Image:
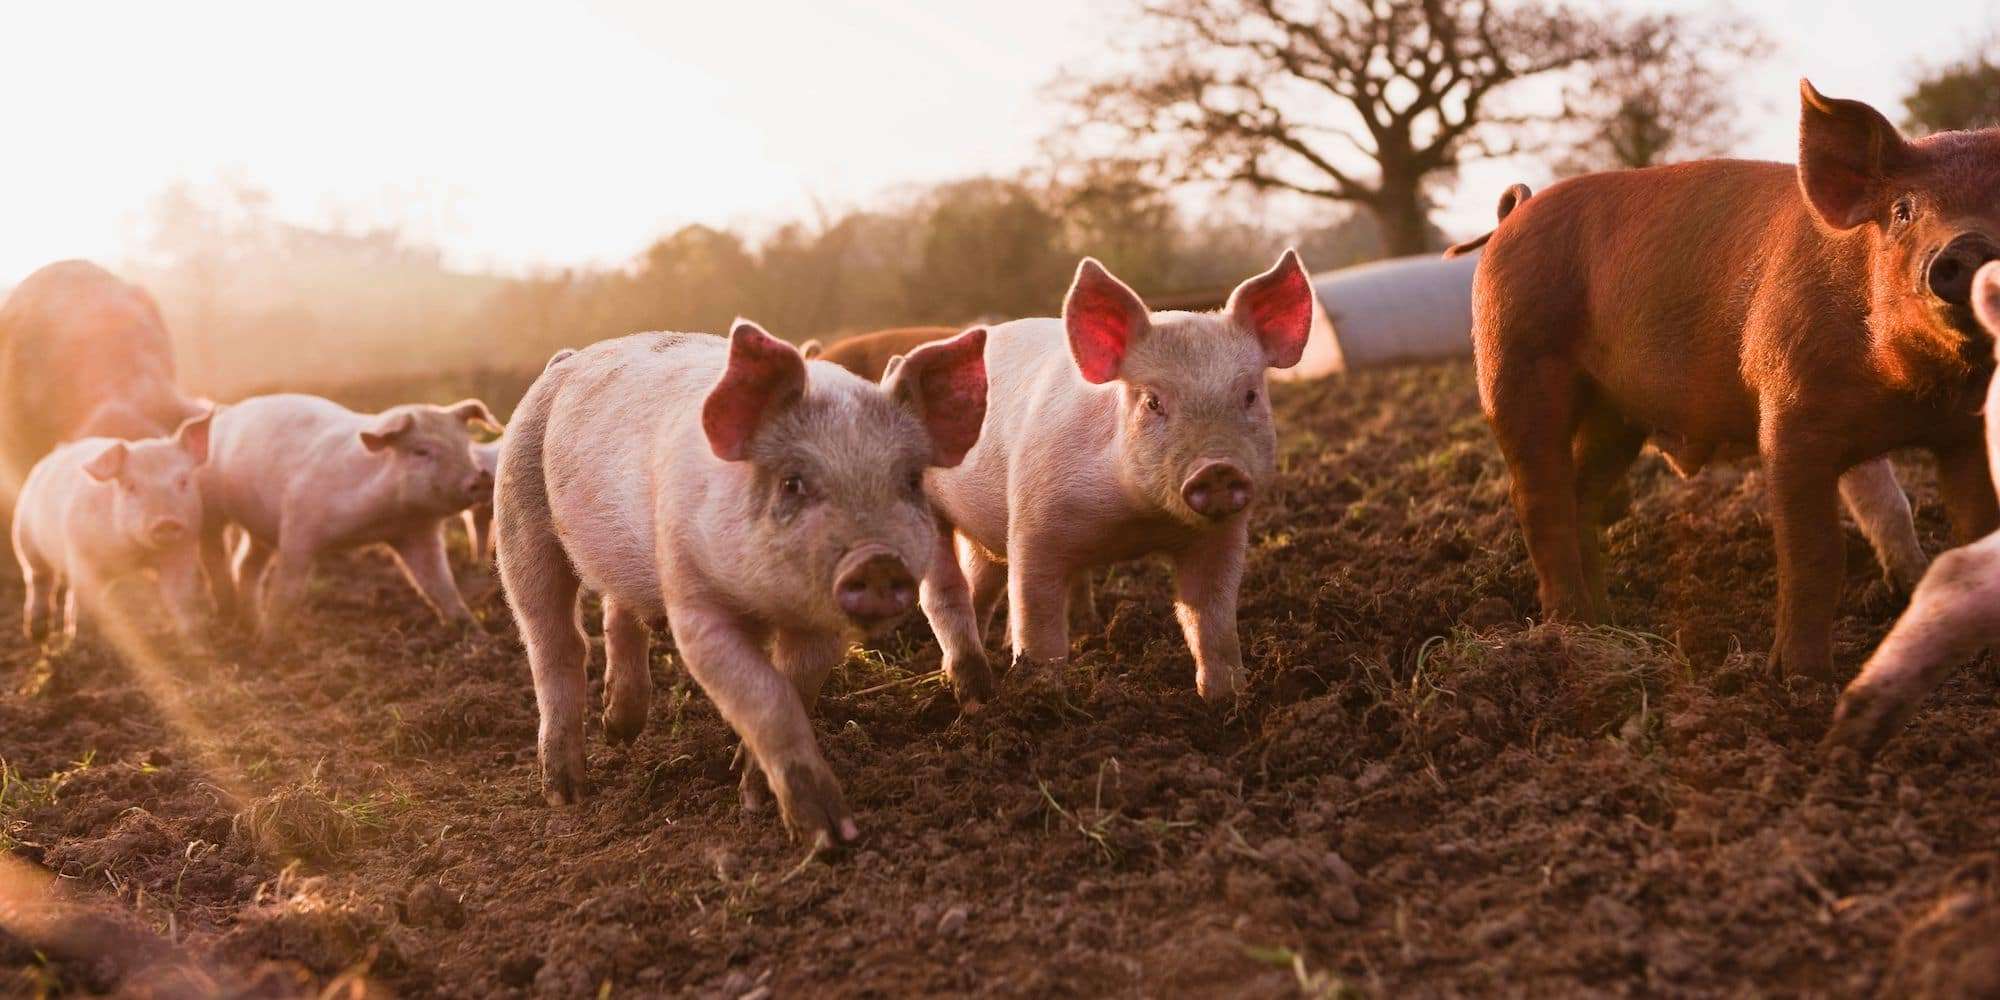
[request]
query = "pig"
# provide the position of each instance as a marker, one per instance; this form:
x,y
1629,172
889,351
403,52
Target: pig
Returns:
x,y
97,511
766,506
1955,611
60,315
479,516
1819,315
302,475
868,354
1116,432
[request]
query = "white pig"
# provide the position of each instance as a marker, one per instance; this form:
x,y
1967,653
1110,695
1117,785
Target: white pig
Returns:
x,y
1954,612
766,506
302,475
95,511
1115,432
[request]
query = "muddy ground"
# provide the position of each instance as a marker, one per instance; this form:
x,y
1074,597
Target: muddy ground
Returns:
x,y
1421,794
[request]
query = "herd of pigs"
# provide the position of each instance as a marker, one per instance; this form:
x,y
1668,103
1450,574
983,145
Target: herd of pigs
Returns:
x,y
766,504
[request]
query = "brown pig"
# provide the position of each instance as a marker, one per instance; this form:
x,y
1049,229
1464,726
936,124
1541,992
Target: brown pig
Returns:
x,y
82,354
1955,611
1113,433
868,354
1818,315
766,506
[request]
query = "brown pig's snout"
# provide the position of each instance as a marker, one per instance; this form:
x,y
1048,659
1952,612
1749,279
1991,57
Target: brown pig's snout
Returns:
x,y
873,587
1950,272
1217,490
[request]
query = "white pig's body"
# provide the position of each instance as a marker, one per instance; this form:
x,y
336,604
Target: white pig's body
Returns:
x,y
296,473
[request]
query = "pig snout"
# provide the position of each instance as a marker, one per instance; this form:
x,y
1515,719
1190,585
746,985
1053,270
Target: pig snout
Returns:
x,y
1949,275
1216,490
166,531
480,485
873,587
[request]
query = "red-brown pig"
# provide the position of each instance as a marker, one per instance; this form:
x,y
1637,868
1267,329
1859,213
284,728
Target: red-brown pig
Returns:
x,y
868,354
96,511
1955,611
302,475
1819,315
1113,433
766,506
82,354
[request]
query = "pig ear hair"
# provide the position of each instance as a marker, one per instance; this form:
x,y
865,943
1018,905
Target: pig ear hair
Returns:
x,y
192,435
386,430
1104,317
473,411
764,374
944,382
1846,151
108,463
1986,296
1277,308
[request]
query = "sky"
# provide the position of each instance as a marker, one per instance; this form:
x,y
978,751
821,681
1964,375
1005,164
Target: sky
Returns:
x,y
529,135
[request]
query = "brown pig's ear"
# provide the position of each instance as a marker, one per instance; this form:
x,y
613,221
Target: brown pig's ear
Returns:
x,y
1277,308
944,382
1986,297
107,465
386,429
473,411
1104,318
192,436
764,375
1847,151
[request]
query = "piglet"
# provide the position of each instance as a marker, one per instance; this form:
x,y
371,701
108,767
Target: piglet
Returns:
x,y
302,475
1954,612
766,506
95,511
1116,432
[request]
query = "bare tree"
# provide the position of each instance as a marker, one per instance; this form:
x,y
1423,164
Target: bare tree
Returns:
x,y
1663,94
1960,95
1366,102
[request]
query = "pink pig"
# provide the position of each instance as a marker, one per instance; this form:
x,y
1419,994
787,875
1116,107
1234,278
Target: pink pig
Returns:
x,y
766,506
302,475
1116,432
95,511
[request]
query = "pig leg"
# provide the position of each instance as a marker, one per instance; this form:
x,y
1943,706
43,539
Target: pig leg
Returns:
x,y
1805,494
285,584
542,588
181,591
421,555
1603,450
248,569
628,675
1083,604
1531,408
764,709
1954,612
1207,576
1882,511
948,602
215,566
1965,484
988,578
805,659
39,612
1038,603
480,519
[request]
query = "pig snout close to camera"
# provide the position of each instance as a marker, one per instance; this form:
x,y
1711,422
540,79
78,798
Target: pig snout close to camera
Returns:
x,y
302,476
1818,315
1114,433
767,507
96,511
1954,612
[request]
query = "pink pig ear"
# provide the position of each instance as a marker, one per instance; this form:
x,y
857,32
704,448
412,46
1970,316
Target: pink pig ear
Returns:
x,y
1277,308
192,436
764,375
1104,318
944,381
107,465
475,412
386,430
1986,296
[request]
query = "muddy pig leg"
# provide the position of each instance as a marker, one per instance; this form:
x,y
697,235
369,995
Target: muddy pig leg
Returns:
x,y
1954,612
628,675
1532,411
1207,576
1603,450
1805,509
1882,512
1038,605
805,659
947,599
988,578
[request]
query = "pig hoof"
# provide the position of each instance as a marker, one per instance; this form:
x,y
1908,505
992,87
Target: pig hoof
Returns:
x,y
562,787
1861,724
1219,689
812,803
753,791
622,725
972,683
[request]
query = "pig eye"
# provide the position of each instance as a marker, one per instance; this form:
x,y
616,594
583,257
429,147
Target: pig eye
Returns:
x,y
1905,209
1152,402
1250,398
793,486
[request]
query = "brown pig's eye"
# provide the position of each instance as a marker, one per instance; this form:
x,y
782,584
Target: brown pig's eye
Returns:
x,y
793,486
1250,398
1152,402
1905,210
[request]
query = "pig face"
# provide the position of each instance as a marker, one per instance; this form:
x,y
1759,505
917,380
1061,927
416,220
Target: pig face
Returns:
x,y
156,500
1194,422
436,469
1931,208
832,477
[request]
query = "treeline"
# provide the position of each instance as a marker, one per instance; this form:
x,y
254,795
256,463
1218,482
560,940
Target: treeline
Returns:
x,y
257,302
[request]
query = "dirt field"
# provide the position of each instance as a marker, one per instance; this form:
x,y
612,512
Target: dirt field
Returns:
x,y
1420,795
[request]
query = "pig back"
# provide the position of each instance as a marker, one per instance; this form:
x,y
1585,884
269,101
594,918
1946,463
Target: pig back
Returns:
x,y
81,351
